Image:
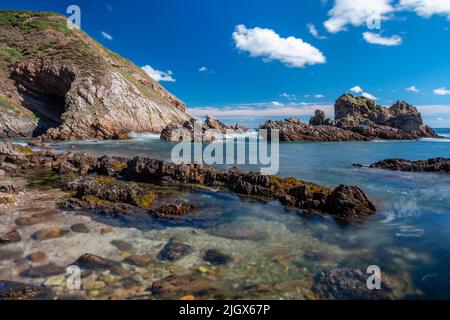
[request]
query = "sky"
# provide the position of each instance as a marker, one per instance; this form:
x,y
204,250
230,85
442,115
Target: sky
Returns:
x,y
247,59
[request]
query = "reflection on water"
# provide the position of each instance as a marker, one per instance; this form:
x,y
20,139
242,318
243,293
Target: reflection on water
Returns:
x,y
408,238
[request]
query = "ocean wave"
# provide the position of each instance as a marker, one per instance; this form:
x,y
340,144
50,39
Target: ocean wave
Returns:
x,y
435,139
144,136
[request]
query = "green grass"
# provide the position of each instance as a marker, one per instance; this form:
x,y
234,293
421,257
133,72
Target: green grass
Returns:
x,y
29,20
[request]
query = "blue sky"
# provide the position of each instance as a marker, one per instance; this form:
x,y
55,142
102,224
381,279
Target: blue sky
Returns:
x,y
248,58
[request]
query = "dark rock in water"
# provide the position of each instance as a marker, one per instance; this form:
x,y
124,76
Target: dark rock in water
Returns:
x,y
238,232
10,188
18,291
12,236
101,207
79,228
37,218
138,261
174,250
430,165
170,210
50,233
351,284
91,261
175,287
122,245
349,203
43,271
216,257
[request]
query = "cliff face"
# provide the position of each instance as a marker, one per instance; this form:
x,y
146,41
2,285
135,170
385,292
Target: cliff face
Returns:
x,y
60,84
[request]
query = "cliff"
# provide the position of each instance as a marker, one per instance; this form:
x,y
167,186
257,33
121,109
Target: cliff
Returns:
x,y
60,84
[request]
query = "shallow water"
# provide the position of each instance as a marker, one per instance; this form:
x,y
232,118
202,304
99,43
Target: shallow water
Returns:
x,y
408,237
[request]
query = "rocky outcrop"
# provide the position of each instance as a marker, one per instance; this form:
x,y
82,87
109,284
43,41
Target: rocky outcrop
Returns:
x,y
431,165
345,202
60,84
199,131
356,119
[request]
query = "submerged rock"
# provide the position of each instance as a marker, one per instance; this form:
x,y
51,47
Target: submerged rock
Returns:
x,y
170,210
175,287
216,257
350,284
10,290
174,250
79,228
12,236
50,233
43,271
93,262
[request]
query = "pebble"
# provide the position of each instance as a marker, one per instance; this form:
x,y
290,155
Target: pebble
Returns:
x,y
56,281
79,228
37,256
50,233
94,285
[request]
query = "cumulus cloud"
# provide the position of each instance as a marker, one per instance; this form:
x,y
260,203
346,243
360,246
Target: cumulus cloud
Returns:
x,y
319,96
266,43
427,8
356,13
106,35
441,91
158,75
356,89
288,96
412,89
313,30
369,96
376,38
203,69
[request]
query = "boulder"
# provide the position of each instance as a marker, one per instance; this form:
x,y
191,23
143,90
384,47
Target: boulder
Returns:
x,y
349,203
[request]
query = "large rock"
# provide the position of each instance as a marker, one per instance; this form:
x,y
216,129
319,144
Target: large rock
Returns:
x,y
320,119
61,84
349,203
19,291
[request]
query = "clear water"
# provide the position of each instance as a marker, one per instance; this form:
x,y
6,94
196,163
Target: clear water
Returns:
x,y
408,238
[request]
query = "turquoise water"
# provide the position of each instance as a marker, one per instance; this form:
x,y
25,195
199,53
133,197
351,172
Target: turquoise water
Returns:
x,y
408,237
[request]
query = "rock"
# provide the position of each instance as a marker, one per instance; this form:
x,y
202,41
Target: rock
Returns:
x,y
77,89
169,210
37,218
122,245
349,203
238,232
10,255
345,283
18,291
79,228
37,256
93,262
216,257
174,250
12,236
93,285
138,261
175,287
50,233
430,165
319,119
43,271
55,281
10,188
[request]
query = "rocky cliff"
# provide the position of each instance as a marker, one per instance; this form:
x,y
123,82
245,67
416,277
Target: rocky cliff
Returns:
x,y
356,119
60,84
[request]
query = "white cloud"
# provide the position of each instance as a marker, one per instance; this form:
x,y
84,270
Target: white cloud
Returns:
x,y
107,35
203,69
260,110
158,75
356,13
376,38
319,96
441,91
369,96
288,96
356,89
266,43
313,30
427,8
277,104
412,89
